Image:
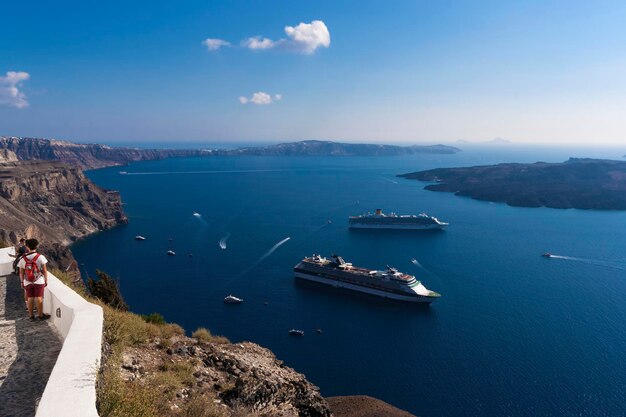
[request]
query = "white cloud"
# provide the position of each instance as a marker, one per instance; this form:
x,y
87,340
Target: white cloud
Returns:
x,y
260,98
304,38
259,43
307,37
214,44
10,93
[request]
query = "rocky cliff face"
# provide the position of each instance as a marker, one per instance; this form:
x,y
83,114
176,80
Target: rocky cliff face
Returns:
x,y
54,203
241,378
85,156
90,156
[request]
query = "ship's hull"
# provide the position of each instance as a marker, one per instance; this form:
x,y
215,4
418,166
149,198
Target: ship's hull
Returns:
x,y
415,298
398,226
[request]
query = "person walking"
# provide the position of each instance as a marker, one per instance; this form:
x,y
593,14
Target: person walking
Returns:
x,y
34,278
20,250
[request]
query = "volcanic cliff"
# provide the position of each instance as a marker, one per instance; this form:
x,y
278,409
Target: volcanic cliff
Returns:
x,y
54,203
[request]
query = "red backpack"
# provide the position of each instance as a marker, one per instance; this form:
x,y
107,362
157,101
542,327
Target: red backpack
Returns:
x,y
31,270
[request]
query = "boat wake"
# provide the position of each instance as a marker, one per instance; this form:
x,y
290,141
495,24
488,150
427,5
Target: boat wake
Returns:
x,y
390,180
264,256
269,252
597,262
223,240
198,216
237,171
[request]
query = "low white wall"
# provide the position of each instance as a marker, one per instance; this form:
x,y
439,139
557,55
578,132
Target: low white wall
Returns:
x,y
6,261
71,388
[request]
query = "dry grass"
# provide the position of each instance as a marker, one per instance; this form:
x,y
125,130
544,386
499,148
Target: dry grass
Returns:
x,y
182,372
150,396
117,398
203,407
204,335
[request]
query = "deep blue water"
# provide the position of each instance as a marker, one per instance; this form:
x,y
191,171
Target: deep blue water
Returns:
x,y
513,334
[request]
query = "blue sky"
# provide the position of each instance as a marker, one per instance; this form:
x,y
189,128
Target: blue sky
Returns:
x,y
398,71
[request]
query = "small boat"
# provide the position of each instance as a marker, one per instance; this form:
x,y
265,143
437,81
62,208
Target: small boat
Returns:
x,y
190,255
295,332
171,253
138,237
547,255
231,299
195,213
318,331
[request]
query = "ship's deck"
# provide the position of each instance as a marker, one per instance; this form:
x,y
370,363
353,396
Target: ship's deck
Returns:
x,y
358,270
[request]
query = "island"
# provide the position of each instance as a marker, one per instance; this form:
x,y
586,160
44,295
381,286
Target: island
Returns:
x,y
580,183
92,156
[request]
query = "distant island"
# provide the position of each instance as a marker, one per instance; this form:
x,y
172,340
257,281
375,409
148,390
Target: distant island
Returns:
x,y
91,156
577,183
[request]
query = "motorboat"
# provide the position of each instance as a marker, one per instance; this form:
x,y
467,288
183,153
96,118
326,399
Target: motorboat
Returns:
x,y
231,299
138,237
547,255
295,332
171,253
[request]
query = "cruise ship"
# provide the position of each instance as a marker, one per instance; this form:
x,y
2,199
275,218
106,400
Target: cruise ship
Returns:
x,y
380,220
388,283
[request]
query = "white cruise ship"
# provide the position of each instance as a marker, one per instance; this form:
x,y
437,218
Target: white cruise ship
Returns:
x,y
388,283
380,220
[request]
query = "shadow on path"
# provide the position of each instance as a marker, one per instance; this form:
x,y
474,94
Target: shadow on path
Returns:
x,y
38,346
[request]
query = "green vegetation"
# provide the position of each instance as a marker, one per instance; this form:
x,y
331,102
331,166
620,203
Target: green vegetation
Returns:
x,y
154,318
106,290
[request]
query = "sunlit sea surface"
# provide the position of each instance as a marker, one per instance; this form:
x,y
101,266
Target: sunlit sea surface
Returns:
x,y
514,334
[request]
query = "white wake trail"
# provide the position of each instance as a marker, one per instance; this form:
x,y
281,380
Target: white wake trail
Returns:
x,y
223,241
239,171
595,262
263,257
416,263
390,180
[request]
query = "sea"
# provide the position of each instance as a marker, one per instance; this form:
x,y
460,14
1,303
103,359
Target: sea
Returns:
x,y
513,334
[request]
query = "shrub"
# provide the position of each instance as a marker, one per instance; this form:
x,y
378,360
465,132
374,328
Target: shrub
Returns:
x,y
107,290
154,318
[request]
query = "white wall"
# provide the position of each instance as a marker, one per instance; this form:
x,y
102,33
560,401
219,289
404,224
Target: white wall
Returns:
x,y
71,388
6,261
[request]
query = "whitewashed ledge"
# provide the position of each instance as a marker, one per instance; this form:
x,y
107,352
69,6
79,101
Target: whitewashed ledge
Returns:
x,y
71,388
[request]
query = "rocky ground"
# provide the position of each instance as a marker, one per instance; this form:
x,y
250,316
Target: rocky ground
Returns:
x,y
28,352
363,406
241,376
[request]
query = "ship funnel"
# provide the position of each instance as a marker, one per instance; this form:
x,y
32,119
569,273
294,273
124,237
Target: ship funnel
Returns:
x,y
379,211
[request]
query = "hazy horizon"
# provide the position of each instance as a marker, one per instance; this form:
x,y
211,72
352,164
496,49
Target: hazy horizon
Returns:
x,y
405,72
